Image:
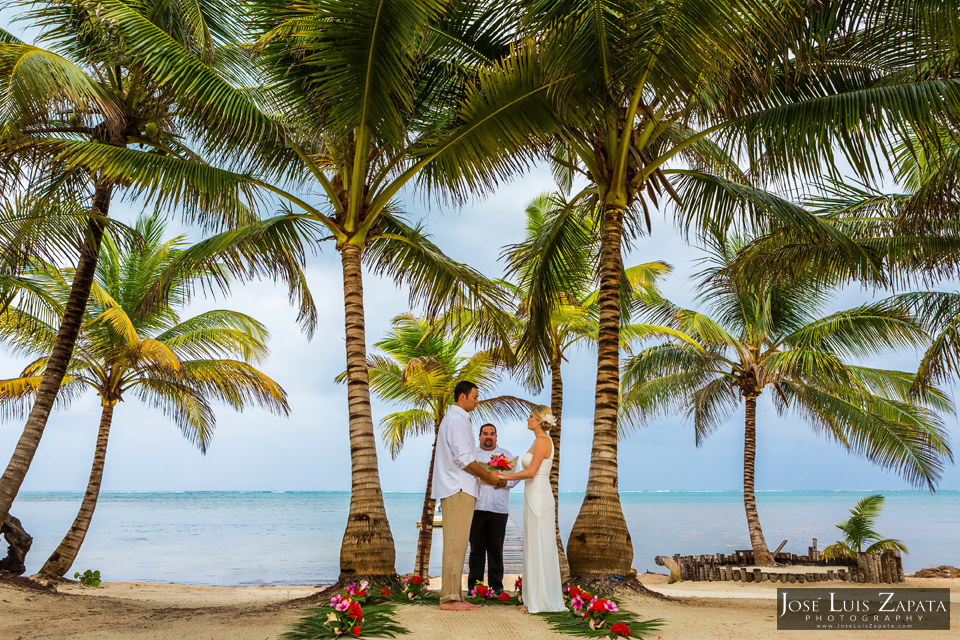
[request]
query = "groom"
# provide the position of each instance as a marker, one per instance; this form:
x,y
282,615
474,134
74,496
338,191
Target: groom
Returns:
x,y
455,484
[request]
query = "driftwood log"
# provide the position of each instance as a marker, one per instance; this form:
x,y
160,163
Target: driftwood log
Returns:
x,y
19,542
666,561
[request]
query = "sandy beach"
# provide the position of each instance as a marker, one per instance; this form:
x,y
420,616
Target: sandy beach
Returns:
x,y
149,611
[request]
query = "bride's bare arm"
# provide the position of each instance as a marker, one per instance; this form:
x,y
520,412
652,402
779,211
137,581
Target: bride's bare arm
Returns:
x,y
540,450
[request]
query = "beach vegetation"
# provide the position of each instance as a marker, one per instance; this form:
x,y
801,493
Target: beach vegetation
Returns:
x,y
859,535
128,347
770,336
89,578
422,363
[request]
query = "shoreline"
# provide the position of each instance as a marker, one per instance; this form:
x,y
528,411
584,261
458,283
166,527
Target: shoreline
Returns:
x,y
150,611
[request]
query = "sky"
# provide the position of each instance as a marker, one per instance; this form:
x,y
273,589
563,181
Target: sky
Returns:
x,y
309,450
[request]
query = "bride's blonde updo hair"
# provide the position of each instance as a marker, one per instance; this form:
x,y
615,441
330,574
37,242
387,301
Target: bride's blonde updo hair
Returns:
x,y
542,413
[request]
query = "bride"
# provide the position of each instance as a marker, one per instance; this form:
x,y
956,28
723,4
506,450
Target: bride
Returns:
x,y
542,590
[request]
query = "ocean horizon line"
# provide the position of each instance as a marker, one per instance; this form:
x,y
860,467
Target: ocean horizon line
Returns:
x,y
414,491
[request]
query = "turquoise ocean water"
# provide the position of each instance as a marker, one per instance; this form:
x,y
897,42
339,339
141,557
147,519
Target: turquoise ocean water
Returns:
x,y
278,538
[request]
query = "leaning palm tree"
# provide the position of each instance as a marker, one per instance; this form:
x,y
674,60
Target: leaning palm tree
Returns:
x,y
89,90
644,88
370,97
423,362
858,532
556,269
771,337
176,365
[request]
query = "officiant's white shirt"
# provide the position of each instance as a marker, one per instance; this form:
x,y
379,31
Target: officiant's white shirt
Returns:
x,y
494,500
456,449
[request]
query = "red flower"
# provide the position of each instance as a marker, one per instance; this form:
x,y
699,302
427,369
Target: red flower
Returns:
x,y
575,591
356,631
416,580
597,606
620,629
384,592
355,611
504,597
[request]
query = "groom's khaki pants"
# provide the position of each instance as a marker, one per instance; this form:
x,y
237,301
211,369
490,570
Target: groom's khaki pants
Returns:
x,y
457,517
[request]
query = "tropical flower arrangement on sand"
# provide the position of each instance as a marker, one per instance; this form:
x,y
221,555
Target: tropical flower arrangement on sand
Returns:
x,y
597,616
414,588
354,613
482,594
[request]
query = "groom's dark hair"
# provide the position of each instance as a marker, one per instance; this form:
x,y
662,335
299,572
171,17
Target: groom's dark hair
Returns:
x,y
463,388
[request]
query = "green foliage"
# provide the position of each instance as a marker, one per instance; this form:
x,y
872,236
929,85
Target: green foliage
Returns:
x,y
555,268
858,532
769,335
89,578
423,363
130,343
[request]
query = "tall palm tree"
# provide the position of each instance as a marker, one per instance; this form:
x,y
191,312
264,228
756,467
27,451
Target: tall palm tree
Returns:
x,y
176,365
88,90
556,266
644,87
771,337
422,364
370,96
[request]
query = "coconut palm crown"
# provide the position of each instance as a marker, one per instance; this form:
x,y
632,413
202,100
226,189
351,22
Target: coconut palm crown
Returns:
x,y
177,366
773,338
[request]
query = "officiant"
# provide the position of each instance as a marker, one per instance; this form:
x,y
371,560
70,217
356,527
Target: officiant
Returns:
x,y
489,527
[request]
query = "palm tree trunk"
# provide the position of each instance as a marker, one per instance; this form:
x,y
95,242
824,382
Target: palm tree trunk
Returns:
x,y
425,543
556,406
63,557
600,543
26,447
761,554
367,550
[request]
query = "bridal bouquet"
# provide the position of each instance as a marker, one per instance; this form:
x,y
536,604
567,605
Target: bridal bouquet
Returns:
x,y
500,463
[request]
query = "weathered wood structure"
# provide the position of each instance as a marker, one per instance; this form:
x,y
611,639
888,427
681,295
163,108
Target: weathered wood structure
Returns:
x,y
884,567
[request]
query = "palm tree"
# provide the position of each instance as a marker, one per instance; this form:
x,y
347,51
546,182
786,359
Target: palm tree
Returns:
x,y
176,365
556,269
89,91
771,336
858,531
422,365
370,96
644,86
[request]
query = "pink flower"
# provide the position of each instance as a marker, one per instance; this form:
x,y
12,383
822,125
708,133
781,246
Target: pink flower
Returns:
x,y
343,605
610,606
576,603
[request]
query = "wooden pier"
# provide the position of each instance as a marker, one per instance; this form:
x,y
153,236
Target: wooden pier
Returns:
x,y
512,552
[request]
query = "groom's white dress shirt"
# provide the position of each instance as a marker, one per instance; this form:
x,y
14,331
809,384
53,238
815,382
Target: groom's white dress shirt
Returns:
x,y
492,499
456,448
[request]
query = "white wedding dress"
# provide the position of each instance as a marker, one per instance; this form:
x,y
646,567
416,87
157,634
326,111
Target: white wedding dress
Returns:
x,y
542,590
